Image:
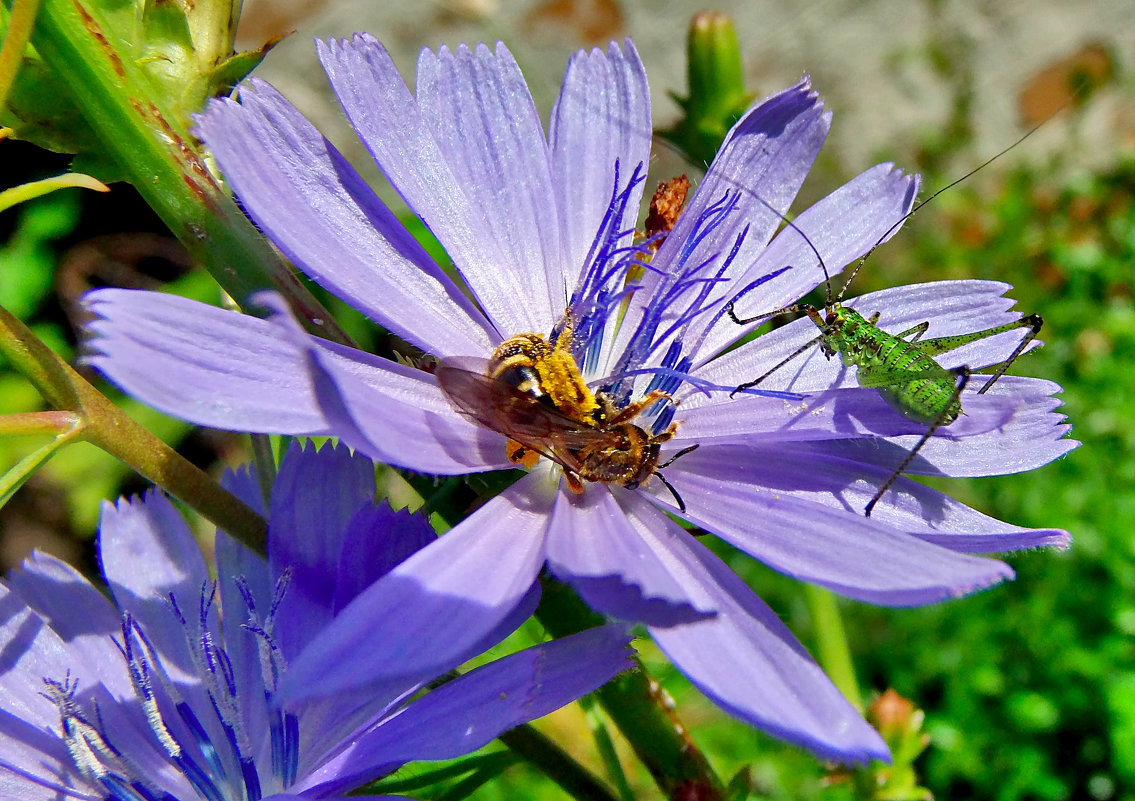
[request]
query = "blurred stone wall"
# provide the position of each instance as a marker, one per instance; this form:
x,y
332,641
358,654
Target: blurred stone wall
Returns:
x,y
893,72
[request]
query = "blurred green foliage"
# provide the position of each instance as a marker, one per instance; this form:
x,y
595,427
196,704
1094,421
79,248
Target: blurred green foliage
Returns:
x,y
1028,687
28,259
185,51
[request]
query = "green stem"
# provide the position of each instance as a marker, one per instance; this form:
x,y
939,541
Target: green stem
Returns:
x,y
162,160
831,642
638,706
20,25
265,463
606,746
64,425
30,423
556,764
108,427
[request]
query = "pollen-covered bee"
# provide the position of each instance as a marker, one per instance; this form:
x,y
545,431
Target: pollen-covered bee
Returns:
x,y
532,392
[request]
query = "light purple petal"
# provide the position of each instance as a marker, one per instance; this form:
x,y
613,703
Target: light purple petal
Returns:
x,y
841,227
34,759
764,158
760,167
388,411
235,562
494,255
602,115
423,617
377,540
32,651
157,574
1014,427
748,662
82,617
209,366
242,483
616,565
315,207
1033,437
472,710
813,472
745,497
398,415
835,414
951,307
148,555
481,113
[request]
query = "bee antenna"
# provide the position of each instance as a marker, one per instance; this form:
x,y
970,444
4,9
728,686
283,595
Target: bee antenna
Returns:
x,y
669,486
674,492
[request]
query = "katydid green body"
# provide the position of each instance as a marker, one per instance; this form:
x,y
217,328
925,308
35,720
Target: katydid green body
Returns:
x,y
904,368
901,368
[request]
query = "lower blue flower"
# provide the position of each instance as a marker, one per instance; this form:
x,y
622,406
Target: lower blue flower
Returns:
x,y
156,695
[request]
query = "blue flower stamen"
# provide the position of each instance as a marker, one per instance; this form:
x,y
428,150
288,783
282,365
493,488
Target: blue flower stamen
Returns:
x,y
119,789
677,283
291,749
92,753
605,241
722,310
251,779
276,737
283,726
608,263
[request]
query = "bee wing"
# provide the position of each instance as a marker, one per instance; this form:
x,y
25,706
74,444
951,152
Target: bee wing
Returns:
x,y
498,405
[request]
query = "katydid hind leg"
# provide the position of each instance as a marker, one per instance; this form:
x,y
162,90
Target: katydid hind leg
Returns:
x,y
1034,323
940,345
963,373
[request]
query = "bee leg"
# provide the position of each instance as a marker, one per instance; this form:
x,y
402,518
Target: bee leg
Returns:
x,y
575,484
633,410
521,454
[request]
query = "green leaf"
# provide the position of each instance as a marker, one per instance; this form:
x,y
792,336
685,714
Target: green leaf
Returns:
x,y
40,109
490,765
11,481
30,191
233,70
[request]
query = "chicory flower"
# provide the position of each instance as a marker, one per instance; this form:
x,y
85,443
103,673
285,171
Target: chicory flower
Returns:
x,y
541,230
157,695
